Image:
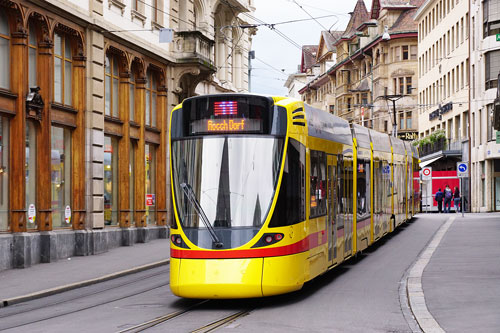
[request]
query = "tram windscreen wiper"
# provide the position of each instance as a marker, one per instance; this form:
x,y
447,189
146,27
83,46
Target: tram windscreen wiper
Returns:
x,y
188,191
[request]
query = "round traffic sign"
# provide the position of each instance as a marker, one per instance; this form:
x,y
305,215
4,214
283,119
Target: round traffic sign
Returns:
x,y
462,167
426,172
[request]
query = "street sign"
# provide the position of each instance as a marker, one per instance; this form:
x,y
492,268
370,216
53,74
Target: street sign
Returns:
x,y
462,169
427,173
498,37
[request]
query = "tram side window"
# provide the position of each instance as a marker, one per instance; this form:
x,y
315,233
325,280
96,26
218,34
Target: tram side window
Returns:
x,y
290,207
363,188
318,183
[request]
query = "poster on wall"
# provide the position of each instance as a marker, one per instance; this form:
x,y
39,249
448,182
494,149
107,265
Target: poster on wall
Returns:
x,y
31,213
150,199
67,214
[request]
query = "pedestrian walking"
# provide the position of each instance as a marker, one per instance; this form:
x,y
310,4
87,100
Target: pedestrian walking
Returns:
x,y
448,195
439,199
456,198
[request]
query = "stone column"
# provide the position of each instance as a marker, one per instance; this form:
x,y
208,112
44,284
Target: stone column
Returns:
x,y
95,130
78,142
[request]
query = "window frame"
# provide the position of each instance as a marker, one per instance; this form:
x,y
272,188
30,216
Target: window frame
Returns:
x,y
9,40
113,78
64,74
151,105
318,162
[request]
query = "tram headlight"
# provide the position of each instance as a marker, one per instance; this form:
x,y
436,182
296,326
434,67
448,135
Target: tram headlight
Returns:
x,y
176,239
268,239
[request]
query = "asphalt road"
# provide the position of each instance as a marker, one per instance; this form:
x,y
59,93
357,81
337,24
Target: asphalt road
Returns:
x,y
362,295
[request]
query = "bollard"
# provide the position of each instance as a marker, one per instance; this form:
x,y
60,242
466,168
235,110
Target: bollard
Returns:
x,y
462,206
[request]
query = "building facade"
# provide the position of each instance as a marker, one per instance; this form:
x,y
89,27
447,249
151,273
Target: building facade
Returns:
x,y
484,72
86,90
376,62
443,74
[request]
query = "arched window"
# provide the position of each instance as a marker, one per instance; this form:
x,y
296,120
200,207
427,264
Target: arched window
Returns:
x,y
63,67
4,51
111,87
32,55
151,94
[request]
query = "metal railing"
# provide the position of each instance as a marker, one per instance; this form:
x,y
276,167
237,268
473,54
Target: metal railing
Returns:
x,y
440,145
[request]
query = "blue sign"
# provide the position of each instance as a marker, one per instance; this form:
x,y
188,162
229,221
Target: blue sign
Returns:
x,y
462,169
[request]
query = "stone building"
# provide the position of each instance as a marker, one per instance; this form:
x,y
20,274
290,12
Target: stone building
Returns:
x,y
376,58
484,72
443,84
320,90
86,90
307,70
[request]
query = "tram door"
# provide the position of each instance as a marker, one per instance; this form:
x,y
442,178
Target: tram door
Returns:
x,y
348,205
332,208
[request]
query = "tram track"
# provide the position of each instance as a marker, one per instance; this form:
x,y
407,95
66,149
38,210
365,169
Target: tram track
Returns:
x,y
29,309
210,327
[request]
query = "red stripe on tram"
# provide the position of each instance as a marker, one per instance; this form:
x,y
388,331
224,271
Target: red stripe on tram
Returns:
x,y
305,244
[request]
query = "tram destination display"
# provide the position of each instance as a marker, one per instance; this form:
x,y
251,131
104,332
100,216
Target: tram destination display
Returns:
x,y
223,115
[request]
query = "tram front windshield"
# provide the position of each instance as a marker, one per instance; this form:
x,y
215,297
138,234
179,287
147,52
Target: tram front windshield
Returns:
x,y
233,179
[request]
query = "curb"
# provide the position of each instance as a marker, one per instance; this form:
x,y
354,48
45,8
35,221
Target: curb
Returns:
x,y
71,286
414,288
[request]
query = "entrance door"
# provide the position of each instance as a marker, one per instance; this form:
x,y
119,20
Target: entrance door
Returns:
x,y
332,208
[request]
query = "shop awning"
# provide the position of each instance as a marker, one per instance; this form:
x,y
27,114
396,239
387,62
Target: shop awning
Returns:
x,y
426,163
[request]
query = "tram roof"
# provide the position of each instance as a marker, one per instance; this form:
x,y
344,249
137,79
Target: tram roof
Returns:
x,y
415,151
381,141
324,125
398,146
408,148
362,136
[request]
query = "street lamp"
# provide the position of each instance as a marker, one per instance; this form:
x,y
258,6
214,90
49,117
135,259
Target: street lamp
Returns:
x,y
393,98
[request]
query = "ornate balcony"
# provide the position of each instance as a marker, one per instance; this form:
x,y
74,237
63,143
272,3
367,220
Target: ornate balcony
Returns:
x,y
194,47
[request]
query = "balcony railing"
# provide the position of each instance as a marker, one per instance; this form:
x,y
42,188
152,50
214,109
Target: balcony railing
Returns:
x,y
444,145
193,45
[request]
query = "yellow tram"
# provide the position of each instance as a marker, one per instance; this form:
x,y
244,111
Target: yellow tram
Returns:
x,y
269,193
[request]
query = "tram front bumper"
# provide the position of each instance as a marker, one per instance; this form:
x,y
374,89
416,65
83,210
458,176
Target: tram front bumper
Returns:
x,y
216,278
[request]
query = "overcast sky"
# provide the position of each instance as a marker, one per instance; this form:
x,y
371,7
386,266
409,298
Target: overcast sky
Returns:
x,y
275,56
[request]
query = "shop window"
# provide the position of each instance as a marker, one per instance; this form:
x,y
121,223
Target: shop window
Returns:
x,y
4,176
110,180
150,151
290,208
30,168
151,94
318,183
61,177
32,56
111,87
63,67
4,51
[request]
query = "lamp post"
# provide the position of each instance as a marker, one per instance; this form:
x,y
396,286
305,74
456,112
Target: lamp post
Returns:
x,y
393,98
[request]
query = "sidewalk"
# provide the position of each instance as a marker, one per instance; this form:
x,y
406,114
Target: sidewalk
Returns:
x,y
44,279
461,281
